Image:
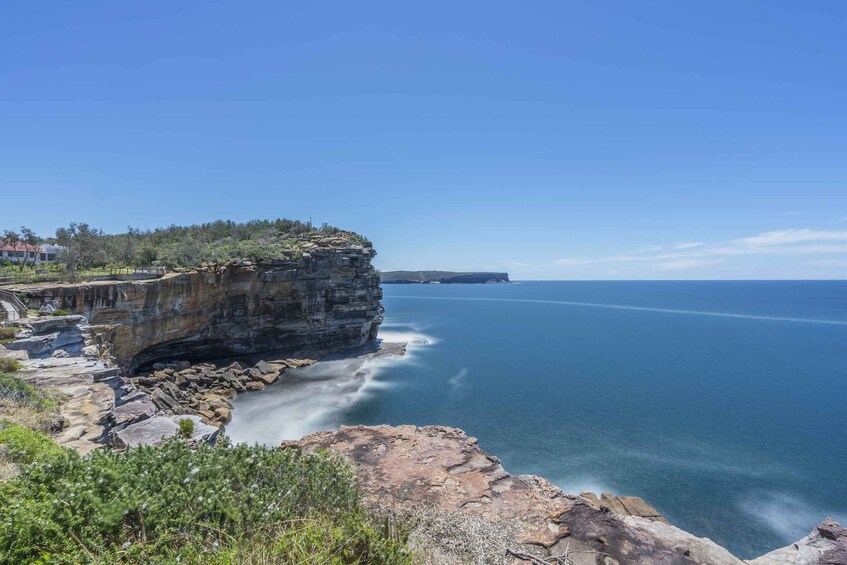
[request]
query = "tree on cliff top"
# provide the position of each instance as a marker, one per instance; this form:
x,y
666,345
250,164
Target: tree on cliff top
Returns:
x,y
184,247
84,247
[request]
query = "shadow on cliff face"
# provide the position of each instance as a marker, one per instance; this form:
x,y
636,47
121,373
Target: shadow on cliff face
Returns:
x,y
313,398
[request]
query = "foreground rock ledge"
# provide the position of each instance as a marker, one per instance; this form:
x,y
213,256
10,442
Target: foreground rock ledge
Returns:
x,y
469,509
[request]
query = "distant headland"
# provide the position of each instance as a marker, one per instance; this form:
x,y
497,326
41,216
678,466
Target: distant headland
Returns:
x,y
441,277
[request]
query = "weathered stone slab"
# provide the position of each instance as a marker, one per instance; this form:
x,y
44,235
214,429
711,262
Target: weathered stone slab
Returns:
x,y
158,429
132,412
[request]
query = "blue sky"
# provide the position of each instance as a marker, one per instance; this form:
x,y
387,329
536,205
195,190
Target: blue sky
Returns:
x,y
553,140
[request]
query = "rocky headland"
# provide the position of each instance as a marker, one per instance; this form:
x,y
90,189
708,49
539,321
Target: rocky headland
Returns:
x,y
442,277
326,298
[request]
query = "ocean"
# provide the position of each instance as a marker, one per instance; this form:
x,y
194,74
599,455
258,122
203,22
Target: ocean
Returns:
x,y
722,404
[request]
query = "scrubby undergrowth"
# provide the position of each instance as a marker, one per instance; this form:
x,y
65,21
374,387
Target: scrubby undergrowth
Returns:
x,y
174,504
30,406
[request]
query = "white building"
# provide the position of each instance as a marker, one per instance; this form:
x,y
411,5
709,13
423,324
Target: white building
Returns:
x,y
31,254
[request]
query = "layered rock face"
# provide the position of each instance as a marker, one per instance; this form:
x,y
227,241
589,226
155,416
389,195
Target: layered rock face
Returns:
x,y
326,300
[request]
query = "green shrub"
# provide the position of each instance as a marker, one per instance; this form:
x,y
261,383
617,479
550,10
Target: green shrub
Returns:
x,y
171,504
9,365
60,312
33,407
186,428
24,446
7,333
13,389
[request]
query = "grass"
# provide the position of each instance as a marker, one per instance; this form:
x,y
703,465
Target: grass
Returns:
x,y
27,407
7,335
8,365
209,505
34,407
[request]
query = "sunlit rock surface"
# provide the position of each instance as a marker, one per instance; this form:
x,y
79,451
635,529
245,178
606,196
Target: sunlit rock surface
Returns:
x,y
467,508
326,300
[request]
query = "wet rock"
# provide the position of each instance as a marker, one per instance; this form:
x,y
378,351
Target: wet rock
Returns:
x,y
269,378
224,413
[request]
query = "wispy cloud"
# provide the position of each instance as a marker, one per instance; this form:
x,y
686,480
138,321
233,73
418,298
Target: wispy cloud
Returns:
x,y
687,255
688,245
685,264
793,213
780,237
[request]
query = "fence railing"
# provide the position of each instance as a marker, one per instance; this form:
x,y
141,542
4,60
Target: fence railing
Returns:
x,y
19,310
10,277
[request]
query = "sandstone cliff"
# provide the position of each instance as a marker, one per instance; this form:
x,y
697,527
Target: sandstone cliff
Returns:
x,y
327,299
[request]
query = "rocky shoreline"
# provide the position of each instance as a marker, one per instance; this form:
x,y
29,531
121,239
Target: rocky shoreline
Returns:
x,y
462,505
205,389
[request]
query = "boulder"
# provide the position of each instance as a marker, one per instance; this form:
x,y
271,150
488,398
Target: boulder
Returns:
x,y
224,413
134,411
133,396
255,385
264,367
269,378
166,402
158,429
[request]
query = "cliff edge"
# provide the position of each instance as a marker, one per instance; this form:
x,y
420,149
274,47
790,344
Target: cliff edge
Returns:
x,y
326,299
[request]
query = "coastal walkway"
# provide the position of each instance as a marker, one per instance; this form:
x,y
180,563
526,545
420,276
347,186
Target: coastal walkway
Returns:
x,y
11,307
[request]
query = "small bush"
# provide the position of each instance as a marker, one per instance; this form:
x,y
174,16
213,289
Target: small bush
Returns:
x,y
7,333
9,365
60,312
15,390
171,504
24,446
186,428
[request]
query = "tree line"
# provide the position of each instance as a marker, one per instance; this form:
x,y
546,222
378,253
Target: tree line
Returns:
x,y
176,247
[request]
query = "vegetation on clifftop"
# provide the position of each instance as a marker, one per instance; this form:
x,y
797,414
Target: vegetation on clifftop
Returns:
x,y
183,247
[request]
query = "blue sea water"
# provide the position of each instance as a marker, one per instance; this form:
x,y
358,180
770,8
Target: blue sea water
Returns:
x,y
723,404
